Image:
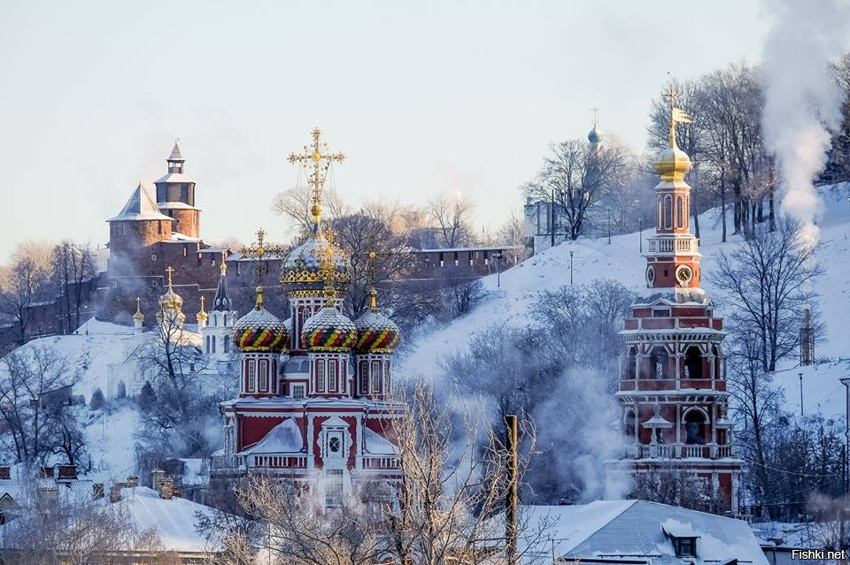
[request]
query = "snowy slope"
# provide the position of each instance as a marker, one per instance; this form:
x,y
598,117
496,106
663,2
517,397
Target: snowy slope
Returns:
x,y
621,260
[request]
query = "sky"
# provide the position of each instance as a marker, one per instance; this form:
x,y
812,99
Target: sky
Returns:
x,y
424,98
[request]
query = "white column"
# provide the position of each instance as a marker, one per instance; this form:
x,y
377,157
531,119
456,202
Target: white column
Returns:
x,y
310,441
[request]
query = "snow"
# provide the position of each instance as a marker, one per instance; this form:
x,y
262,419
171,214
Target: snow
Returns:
x,y
175,520
283,438
377,444
621,260
823,392
111,442
635,528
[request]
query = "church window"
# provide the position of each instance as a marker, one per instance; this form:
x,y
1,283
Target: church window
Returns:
x,y
693,363
631,364
659,222
658,364
631,425
226,345
695,426
668,212
332,375
252,375
298,391
680,205
661,313
376,377
264,375
320,375
333,487
364,377
212,343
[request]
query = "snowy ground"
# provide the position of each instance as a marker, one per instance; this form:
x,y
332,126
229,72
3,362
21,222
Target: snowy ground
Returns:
x,y
621,260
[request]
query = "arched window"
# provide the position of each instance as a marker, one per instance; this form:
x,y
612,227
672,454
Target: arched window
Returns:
x,y
320,375
364,377
693,363
695,427
658,368
252,376
668,212
376,377
630,425
264,375
332,375
680,212
212,342
226,345
660,221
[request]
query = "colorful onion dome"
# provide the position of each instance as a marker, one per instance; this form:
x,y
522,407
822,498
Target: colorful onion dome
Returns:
x,y
302,268
376,333
260,330
328,330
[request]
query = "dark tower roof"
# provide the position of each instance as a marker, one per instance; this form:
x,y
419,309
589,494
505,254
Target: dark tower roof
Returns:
x,y
140,206
175,154
222,302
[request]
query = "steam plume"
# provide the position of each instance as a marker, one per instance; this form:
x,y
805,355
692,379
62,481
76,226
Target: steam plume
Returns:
x,y
802,100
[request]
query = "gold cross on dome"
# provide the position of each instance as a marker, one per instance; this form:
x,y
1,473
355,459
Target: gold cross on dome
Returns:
x,y
170,271
595,111
258,251
316,156
672,97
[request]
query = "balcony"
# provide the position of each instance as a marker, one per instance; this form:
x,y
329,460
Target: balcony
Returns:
x,y
668,244
676,451
379,462
651,385
278,461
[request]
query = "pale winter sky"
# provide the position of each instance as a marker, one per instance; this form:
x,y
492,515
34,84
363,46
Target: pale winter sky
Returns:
x,y
423,97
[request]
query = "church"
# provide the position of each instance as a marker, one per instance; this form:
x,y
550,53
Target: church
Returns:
x,y
314,403
672,389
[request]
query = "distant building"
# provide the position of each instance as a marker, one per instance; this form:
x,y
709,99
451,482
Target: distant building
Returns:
x,y
473,261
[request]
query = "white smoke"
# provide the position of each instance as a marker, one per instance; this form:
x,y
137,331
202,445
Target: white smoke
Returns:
x,y
802,100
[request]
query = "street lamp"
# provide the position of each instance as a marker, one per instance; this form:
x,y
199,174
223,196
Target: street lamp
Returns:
x,y
571,268
498,256
846,382
640,233
609,225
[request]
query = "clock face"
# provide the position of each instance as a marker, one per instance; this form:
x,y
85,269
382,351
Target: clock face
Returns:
x,y
650,276
684,274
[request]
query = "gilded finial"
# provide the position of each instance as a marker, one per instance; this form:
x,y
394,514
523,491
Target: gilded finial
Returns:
x,y
373,292
223,266
259,304
315,158
170,271
674,163
138,316
202,316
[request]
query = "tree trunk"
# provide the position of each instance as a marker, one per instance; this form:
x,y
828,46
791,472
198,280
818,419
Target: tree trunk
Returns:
x,y
723,209
771,213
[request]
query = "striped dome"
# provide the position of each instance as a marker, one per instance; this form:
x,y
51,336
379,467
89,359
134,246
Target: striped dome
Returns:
x,y
328,330
260,330
376,333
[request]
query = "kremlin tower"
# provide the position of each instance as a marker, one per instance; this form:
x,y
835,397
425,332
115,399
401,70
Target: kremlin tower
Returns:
x,y
175,196
313,405
672,389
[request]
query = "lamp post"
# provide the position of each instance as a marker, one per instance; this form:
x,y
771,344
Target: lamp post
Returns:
x,y
801,394
640,233
609,225
571,268
552,224
498,256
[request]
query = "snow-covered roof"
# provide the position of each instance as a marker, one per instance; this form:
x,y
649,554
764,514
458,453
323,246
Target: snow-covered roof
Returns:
x,y
173,177
376,444
175,520
636,529
283,438
181,238
175,206
140,206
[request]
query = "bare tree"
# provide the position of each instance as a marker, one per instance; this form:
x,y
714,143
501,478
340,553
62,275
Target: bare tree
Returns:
x,y
72,265
27,376
769,282
295,203
575,177
26,282
452,215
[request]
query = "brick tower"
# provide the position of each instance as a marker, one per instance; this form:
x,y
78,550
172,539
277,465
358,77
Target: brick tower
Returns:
x,y
175,196
672,389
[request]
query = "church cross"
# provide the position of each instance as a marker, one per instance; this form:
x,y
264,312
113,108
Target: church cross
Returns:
x,y
595,111
314,157
170,271
258,252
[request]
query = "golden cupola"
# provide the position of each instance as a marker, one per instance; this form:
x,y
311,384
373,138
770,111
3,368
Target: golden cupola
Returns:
x,y
170,303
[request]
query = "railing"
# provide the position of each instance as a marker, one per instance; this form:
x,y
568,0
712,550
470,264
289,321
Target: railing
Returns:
x,y
380,462
672,384
279,461
675,451
666,245
227,462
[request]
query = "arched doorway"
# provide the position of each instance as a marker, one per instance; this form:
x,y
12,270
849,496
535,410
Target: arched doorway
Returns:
x,y
696,424
693,363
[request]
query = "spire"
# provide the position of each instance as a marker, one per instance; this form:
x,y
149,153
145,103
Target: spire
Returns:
x,y
175,160
320,162
221,301
673,163
373,292
259,304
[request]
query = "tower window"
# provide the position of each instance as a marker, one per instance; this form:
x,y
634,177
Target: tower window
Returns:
x,y
376,377
364,377
695,426
332,375
333,486
264,375
252,375
658,363
320,375
668,212
680,212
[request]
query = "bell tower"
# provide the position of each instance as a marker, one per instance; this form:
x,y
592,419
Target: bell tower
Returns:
x,y
175,196
672,389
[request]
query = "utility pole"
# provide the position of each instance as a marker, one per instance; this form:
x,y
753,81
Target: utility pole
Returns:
x,y
498,256
846,382
801,394
609,225
640,233
512,495
571,268
552,223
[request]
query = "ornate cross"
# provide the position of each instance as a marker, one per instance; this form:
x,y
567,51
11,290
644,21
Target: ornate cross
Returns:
x,y
320,162
258,251
672,97
595,111
170,271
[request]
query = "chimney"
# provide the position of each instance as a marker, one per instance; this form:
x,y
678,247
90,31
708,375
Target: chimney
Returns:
x,y
157,476
5,472
166,489
67,472
115,493
97,491
46,473
132,481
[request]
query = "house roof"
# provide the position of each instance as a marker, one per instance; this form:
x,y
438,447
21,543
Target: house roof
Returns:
x,y
283,438
140,206
615,529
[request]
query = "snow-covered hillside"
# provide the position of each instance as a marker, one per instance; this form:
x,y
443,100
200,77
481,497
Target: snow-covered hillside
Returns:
x,y
621,260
